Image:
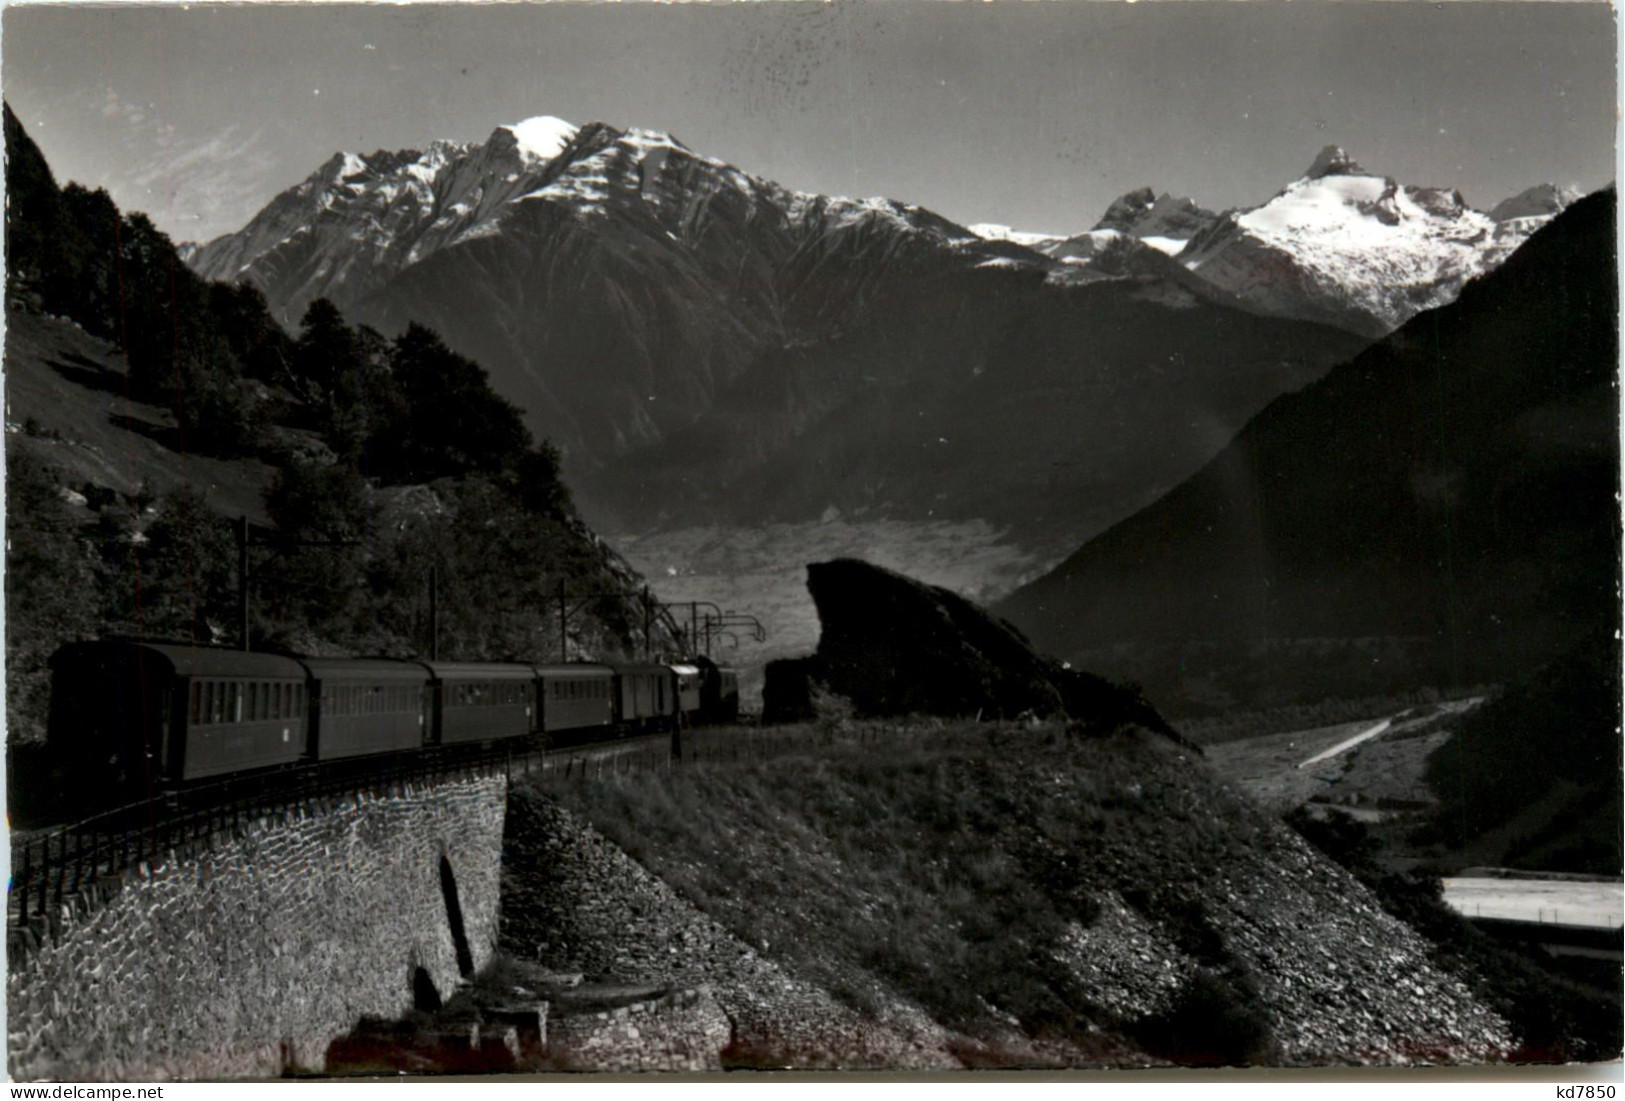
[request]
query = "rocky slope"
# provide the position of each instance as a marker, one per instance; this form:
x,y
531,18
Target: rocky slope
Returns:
x,y
1442,507
1127,909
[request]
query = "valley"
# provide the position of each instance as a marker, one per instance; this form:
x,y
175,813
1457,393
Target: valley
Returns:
x,y
763,570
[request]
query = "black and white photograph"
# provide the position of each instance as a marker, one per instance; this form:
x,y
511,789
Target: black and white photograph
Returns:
x,y
582,542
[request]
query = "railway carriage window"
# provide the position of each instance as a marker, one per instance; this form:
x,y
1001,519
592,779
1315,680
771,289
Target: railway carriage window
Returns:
x,y
253,700
197,702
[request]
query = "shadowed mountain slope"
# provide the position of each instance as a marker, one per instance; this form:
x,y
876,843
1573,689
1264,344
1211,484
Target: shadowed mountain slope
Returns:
x,y
1453,486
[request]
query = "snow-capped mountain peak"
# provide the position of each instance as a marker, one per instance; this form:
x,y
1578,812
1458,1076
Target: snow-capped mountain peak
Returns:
x,y
1333,161
1358,250
543,137
1541,201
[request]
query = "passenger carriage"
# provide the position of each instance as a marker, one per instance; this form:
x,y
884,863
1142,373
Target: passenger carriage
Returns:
x,y
481,702
361,706
645,696
143,716
579,697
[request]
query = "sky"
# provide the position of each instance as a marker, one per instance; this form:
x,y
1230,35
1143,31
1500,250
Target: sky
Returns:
x,y
1033,114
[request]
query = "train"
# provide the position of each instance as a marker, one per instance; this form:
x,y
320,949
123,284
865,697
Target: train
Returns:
x,y
141,717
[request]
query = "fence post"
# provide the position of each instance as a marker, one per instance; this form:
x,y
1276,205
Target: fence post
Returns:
x,y
28,870
61,869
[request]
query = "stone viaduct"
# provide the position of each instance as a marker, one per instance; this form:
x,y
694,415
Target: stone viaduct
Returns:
x,y
246,954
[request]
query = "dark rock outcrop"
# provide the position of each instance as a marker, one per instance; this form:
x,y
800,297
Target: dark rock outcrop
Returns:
x,y
895,646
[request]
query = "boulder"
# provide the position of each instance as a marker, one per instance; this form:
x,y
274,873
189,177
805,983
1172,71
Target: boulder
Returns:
x,y
895,646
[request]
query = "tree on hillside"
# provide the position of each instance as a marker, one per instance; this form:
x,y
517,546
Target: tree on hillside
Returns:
x,y
539,482
455,422
319,587
83,280
50,587
182,582
257,342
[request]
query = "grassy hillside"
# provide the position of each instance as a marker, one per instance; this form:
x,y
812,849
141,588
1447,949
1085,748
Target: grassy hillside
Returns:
x,y
1031,889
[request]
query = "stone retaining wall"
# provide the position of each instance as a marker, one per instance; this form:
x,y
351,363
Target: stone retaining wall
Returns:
x,y
249,957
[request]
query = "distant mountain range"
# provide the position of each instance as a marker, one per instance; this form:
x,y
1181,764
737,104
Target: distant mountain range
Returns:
x,y
1441,509
1341,245
710,346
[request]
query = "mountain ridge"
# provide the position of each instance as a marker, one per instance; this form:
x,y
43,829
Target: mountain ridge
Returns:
x,y
1453,484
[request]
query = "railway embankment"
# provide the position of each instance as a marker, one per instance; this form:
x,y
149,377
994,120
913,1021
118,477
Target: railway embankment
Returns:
x,y
965,894
575,901
248,955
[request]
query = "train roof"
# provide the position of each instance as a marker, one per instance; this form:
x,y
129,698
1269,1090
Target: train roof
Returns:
x,y
478,670
638,667
195,661
574,669
365,668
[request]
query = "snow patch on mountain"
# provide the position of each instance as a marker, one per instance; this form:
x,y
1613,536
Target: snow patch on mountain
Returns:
x,y
543,137
993,231
1170,246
